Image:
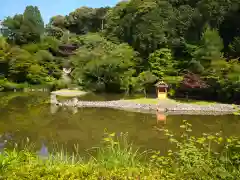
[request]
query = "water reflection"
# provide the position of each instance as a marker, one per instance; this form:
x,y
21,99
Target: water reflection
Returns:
x,y
54,109
4,138
2,145
161,118
74,110
43,152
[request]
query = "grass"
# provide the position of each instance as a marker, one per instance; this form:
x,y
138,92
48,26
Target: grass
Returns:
x,y
191,101
192,158
143,100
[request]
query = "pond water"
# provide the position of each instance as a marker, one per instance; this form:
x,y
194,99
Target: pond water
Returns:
x,y
29,115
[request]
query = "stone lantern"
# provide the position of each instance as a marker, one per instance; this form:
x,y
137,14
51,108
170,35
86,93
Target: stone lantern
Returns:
x,y
161,90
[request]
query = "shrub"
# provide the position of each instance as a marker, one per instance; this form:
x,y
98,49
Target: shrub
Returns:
x,y
6,85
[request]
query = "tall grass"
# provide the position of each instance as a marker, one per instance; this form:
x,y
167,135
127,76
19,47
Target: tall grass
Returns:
x,y
208,157
118,152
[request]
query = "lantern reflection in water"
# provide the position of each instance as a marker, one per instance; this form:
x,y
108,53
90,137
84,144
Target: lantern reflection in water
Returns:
x,y
161,117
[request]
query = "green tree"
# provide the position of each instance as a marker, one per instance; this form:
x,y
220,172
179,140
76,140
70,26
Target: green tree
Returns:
x,y
49,43
234,71
114,16
11,28
234,47
46,60
57,26
58,21
145,80
162,63
19,64
54,31
36,74
33,19
31,47
181,23
24,28
209,49
4,56
142,24
102,64
85,19
214,11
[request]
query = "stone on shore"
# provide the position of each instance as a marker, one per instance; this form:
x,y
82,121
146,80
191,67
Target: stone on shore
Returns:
x,y
173,108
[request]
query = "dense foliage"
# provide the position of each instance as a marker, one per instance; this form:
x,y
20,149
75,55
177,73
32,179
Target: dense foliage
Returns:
x,y
130,46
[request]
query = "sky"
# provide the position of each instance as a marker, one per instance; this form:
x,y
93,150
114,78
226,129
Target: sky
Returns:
x,y
49,8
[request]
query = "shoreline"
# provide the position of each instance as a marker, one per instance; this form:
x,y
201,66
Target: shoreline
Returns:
x,y
168,108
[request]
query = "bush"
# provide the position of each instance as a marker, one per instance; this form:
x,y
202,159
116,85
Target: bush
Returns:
x,y
6,85
60,84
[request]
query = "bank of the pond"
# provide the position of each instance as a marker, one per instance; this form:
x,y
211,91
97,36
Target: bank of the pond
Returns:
x,y
193,158
171,107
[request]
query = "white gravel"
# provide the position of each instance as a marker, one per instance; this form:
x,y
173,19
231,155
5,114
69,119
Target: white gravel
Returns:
x,y
171,108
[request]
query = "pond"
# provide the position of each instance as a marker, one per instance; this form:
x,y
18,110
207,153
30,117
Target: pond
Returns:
x,y
29,115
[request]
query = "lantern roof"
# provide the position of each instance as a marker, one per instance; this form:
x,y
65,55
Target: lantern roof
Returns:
x,y
161,84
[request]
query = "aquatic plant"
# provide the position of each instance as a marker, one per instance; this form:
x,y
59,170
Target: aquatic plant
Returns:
x,y
207,157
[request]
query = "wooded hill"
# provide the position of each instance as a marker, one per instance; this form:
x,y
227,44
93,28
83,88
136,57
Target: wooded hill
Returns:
x,y
127,48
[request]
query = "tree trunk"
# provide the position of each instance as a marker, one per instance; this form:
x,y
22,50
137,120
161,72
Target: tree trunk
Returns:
x,y
145,93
